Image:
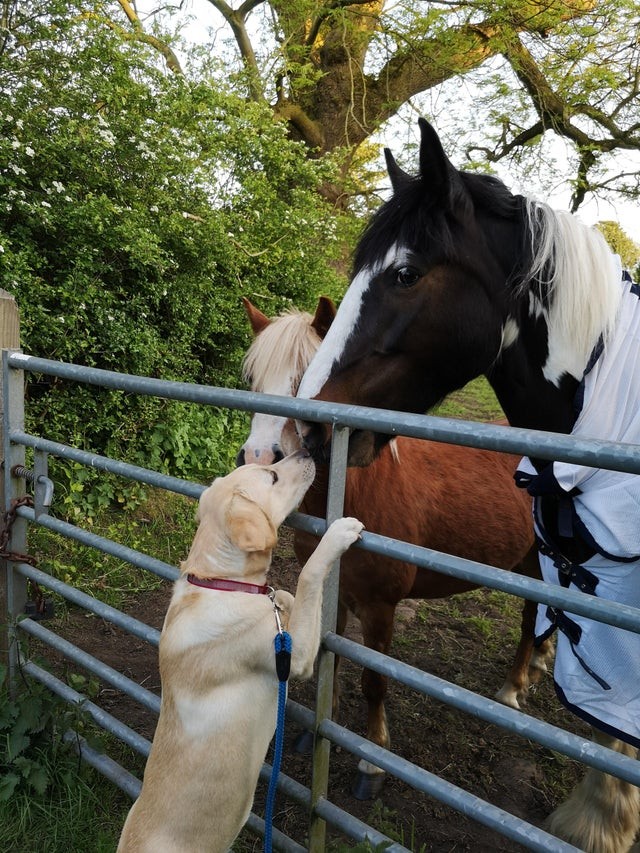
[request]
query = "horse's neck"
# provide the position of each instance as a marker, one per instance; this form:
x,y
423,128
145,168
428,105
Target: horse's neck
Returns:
x,y
527,398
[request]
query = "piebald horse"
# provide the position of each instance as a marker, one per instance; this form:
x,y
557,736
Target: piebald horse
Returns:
x,y
422,492
454,277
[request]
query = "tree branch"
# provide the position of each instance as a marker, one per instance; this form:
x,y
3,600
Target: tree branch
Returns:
x,y
236,18
173,64
326,12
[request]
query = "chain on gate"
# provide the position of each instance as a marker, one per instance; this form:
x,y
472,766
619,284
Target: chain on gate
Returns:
x,y
39,606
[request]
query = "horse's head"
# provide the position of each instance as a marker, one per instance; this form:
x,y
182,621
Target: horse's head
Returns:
x,y
274,364
429,304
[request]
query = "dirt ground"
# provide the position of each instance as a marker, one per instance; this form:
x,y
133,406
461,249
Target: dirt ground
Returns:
x,y
468,640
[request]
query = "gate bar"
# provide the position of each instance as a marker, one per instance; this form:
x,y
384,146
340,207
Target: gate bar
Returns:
x,y
599,609
88,602
595,453
103,718
105,463
105,672
107,546
516,722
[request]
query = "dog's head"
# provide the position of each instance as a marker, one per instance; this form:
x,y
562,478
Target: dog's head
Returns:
x,y
242,511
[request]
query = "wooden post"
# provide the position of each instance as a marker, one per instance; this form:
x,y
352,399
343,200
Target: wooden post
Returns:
x,y
12,586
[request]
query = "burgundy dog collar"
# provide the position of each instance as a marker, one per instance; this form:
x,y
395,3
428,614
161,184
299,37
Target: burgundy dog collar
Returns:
x,y
228,585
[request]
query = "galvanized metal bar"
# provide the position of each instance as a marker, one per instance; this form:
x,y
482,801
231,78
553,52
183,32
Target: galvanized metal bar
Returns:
x,y
594,453
326,660
420,779
280,841
516,722
468,804
105,765
13,588
93,605
114,466
336,817
573,601
107,546
106,673
105,720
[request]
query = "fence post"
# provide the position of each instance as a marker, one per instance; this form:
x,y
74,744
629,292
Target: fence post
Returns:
x,y
12,586
324,694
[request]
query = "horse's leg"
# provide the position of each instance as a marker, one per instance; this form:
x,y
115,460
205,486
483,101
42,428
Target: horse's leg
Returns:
x,y
602,814
529,663
376,620
516,683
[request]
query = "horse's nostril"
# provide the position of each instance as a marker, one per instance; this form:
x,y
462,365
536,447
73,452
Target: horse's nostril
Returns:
x,y
277,453
240,458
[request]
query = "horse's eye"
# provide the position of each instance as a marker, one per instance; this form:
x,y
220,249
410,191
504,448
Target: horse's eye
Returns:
x,y
407,276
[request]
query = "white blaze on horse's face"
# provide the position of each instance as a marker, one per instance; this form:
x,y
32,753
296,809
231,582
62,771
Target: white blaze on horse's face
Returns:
x,y
342,326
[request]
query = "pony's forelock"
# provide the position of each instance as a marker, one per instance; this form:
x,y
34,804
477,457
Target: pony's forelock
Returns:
x,y
281,352
573,272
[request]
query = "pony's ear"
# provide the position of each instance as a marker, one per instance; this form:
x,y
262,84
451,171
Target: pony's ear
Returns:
x,y
436,169
248,526
323,318
257,319
398,176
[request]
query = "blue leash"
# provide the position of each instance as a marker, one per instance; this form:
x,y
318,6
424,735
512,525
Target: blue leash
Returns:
x,y
283,665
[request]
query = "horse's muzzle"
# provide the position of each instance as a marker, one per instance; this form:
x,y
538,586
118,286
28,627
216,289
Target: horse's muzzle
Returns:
x,y
364,445
316,438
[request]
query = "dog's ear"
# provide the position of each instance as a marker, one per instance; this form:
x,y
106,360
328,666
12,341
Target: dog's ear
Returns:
x,y
248,526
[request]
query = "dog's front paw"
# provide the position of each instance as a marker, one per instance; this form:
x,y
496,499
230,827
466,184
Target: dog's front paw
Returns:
x,y
341,534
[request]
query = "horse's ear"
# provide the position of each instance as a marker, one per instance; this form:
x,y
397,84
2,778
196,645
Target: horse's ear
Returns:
x,y
435,167
323,318
398,176
257,319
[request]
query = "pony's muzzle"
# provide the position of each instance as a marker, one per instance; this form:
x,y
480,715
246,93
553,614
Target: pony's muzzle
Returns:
x,y
316,438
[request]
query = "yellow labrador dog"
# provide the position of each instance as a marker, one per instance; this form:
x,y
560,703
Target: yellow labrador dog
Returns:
x,y
217,660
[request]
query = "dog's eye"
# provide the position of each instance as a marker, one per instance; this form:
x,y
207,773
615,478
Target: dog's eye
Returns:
x,y
275,477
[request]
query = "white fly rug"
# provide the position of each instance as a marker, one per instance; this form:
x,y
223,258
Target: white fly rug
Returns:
x,y
597,669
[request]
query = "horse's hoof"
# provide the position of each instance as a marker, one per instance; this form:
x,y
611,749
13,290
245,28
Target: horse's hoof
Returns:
x,y
367,786
303,744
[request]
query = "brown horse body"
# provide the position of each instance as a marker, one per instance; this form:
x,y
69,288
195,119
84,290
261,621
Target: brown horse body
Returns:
x,y
458,500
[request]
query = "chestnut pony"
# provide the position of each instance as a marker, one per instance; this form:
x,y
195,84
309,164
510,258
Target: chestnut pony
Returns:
x,y
455,277
423,492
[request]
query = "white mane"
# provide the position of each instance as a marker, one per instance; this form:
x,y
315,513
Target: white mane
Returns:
x,y
575,267
280,354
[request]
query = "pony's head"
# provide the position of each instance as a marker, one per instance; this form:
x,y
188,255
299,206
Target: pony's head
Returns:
x,y
275,362
454,277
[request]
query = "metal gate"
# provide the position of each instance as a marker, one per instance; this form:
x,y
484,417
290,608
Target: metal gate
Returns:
x,y
343,418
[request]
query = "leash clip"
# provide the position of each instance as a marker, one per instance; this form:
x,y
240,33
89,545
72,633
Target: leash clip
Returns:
x,y
276,610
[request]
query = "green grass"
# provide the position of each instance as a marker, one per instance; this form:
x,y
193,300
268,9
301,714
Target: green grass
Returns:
x,y
475,402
